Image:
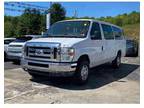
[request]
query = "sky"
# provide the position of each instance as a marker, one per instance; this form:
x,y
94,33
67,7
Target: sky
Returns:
x,y
91,9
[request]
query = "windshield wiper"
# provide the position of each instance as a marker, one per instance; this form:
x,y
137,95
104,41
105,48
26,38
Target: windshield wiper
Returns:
x,y
66,35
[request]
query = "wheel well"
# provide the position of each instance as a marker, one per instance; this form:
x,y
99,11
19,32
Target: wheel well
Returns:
x,y
84,57
119,52
5,53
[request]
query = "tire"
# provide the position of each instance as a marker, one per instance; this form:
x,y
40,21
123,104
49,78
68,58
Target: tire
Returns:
x,y
16,62
82,72
33,75
5,56
136,51
117,61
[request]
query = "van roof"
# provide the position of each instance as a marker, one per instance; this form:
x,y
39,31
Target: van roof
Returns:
x,y
9,38
91,20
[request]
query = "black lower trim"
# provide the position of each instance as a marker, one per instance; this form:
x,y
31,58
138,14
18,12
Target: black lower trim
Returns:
x,y
39,56
38,64
51,74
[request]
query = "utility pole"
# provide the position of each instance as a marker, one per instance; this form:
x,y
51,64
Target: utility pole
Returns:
x,y
50,4
48,17
75,13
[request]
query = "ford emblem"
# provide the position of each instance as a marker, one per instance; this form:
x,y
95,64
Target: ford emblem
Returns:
x,y
38,51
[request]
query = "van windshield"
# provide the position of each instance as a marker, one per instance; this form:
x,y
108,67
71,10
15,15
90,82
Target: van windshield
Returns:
x,y
69,29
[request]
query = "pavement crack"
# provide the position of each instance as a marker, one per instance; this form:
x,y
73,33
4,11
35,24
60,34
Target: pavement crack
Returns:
x,y
24,93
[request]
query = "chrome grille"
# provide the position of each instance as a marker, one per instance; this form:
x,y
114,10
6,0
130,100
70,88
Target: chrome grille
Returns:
x,y
15,51
42,53
15,45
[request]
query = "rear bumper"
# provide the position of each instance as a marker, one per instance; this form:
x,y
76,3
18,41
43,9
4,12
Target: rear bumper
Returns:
x,y
47,66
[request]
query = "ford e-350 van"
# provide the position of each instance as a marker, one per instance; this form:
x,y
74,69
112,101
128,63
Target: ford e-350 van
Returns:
x,y
72,47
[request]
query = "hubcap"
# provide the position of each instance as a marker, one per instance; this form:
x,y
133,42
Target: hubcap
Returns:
x,y
84,72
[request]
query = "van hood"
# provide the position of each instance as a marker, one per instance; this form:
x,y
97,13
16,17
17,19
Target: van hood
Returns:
x,y
17,43
65,42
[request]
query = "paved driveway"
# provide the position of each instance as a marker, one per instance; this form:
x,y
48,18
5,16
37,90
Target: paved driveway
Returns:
x,y
106,85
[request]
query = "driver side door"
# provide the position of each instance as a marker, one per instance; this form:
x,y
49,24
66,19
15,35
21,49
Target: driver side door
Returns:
x,y
96,44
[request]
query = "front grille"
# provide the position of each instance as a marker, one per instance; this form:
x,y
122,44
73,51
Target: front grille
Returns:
x,y
15,51
15,45
41,52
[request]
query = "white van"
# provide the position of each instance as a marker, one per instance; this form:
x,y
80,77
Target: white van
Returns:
x,y
7,41
72,47
15,48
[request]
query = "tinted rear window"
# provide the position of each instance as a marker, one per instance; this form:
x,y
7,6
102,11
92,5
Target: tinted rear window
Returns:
x,y
108,32
118,33
23,39
8,41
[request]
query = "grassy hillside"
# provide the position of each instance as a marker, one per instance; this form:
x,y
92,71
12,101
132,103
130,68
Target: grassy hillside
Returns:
x,y
132,31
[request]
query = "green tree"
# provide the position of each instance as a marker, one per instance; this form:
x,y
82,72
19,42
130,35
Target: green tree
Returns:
x,y
10,26
8,29
43,23
118,20
57,12
30,22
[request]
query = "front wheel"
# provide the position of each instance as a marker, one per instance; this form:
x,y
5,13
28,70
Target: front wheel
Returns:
x,y
5,56
33,75
16,62
82,72
116,63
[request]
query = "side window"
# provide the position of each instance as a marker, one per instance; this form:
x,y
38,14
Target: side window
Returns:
x,y
118,33
95,32
107,30
7,41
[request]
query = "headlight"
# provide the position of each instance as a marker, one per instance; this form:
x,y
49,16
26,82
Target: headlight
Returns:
x,y
67,54
23,51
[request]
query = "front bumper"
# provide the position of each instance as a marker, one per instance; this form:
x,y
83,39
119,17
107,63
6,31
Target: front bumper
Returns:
x,y
48,66
14,56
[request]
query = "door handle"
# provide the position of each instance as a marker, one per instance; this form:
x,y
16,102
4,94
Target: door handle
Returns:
x,y
102,48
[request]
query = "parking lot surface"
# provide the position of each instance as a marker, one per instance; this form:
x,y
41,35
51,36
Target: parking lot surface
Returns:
x,y
105,85
10,65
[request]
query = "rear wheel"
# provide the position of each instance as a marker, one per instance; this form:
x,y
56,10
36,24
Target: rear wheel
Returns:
x,y
82,72
117,61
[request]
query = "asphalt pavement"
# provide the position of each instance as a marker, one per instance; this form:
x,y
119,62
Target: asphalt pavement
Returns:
x,y
105,85
11,65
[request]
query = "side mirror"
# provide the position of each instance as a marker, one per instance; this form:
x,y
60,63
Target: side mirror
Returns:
x,y
96,35
93,37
